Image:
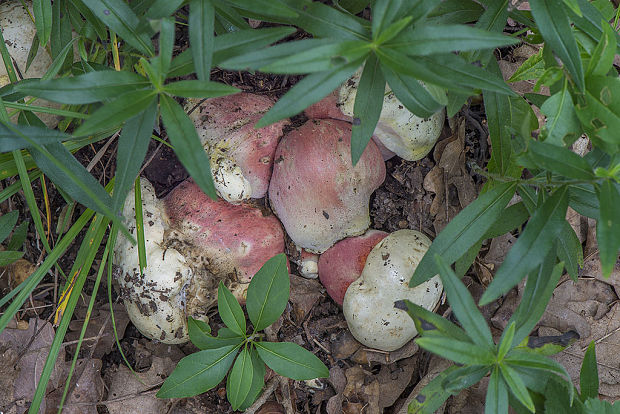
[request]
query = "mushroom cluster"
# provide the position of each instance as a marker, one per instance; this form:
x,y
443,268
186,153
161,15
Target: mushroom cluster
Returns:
x,y
316,194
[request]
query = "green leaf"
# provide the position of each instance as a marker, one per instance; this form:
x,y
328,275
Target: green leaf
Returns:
x,y
258,380
383,14
588,376
142,263
43,20
268,293
560,160
88,88
321,58
66,172
582,198
411,93
197,328
324,21
570,251
532,68
433,395
7,257
118,16
554,26
600,115
590,21
516,386
530,359
456,11
133,144
464,307
561,118
11,138
19,236
269,7
367,107
91,20
187,146
465,377
116,112
531,247
230,311
240,379
201,38
596,406
427,321
538,290
204,340
61,32
199,89
511,217
166,45
496,401
291,360
309,90
199,372
608,226
464,231
436,39
505,343
602,58
458,351
162,8
261,58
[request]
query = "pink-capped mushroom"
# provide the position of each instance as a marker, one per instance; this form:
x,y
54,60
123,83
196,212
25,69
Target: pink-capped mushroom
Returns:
x,y
192,243
315,190
241,156
343,263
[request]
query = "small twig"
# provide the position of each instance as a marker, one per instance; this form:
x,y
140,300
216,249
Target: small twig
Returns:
x,y
269,388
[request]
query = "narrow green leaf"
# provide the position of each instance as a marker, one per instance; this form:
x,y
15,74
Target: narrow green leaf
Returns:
x,y
532,68
465,377
240,379
427,321
166,45
269,7
496,401
321,58
187,146
516,386
460,352
464,230
324,21
582,198
562,119
192,88
530,359
230,311
61,33
201,38
118,16
436,39
590,21
139,226
91,20
505,342
67,172
268,293
433,395
59,61
532,246
608,226
43,20
291,360
456,11
19,236
554,26
464,307
602,58
83,89
367,107
32,53
600,115
11,138
393,30
116,112
560,160
570,251
202,338
198,373
162,8
511,218
588,376
133,144
7,257
258,380
309,90
383,14
411,93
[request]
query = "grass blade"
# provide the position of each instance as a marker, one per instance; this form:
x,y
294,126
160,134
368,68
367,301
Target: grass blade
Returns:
x,y
201,38
43,20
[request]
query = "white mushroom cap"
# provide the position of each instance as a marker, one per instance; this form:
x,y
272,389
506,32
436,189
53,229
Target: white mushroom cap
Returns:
x,y
405,134
369,302
155,300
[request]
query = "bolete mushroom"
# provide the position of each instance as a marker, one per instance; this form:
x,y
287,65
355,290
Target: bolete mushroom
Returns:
x,y
192,243
343,263
241,156
368,304
315,190
399,131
